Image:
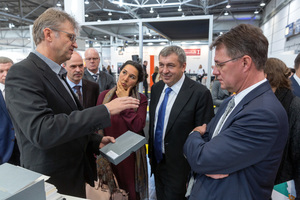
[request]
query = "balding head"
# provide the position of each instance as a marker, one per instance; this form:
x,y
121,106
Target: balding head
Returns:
x,y
92,60
74,68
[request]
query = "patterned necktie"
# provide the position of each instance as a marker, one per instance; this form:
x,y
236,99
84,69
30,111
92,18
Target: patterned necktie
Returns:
x,y
95,77
160,126
228,109
78,93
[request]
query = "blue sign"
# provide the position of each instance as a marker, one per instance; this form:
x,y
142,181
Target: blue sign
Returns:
x,y
289,30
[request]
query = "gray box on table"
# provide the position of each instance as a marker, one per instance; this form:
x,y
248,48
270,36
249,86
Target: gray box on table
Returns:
x,y
126,144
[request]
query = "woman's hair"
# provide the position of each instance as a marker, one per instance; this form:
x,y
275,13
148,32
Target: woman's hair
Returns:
x,y
137,66
277,73
156,69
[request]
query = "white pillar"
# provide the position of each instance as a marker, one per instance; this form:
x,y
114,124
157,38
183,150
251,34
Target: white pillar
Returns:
x,y
76,9
141,51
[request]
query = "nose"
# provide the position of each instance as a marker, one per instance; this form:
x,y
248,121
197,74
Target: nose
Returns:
x,y
216,71
126,78
75,44
164,70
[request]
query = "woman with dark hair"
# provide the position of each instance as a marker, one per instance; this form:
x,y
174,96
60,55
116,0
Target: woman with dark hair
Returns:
x,y
131,173
277,73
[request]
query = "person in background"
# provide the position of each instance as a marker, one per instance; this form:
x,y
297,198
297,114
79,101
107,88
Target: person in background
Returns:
x,y
296,77
218,94
277,73
155,75
237,155
145,83
9,151
86,91
93,73
56,137
109,70
200,73
177,105
131,176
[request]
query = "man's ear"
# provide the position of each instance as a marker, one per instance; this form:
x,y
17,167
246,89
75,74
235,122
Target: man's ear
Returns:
x,y
47,34
247,62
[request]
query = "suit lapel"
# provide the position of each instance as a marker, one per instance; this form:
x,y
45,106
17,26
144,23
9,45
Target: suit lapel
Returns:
x,y
180,102
264,87
53,79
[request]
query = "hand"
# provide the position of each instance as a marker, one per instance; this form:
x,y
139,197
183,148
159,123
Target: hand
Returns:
x,y
105,140
217,176
121,92
119,104
201,129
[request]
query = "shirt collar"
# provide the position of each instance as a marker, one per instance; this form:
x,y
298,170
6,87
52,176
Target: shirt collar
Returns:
x,y
2,86
71,84
177,86
246,91
53,65
92,72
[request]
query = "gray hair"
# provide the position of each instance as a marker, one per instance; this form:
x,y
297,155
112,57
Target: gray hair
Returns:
x,y
51,18
4,60
174,49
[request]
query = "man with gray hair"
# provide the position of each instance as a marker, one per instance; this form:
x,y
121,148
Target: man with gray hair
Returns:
x,y
177,105
55,135
9,151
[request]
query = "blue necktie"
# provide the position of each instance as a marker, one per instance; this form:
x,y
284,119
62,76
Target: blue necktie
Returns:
x,y
160,126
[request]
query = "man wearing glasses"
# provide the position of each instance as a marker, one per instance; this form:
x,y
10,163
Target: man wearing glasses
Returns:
x,y
93,73
55,135
238,154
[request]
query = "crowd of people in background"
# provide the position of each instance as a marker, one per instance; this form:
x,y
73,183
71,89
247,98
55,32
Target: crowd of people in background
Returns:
x,y
204,143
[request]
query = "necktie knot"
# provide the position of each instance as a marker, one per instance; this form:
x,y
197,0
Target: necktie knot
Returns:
x,y
95,77
168,90
78,93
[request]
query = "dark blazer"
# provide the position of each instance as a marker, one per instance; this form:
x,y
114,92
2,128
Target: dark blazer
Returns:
x,y
105,80
192,107
55,137
248,148
90,92
7,133
295,87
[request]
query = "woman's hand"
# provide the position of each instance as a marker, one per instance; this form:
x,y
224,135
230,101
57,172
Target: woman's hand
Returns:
x,y
121,92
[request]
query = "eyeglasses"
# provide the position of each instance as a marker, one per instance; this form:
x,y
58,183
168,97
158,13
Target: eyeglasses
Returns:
x,y
70,35
222,63
89,59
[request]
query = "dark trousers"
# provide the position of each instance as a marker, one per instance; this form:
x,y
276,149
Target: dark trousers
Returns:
x,y
166,185
145,84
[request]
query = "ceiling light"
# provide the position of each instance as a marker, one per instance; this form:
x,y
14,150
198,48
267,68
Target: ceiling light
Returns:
x,y
150,43
162,43
134,35
157,16
11,25
151,10
58,4
99,20
6,8
182,15
226,13
256,12
86,15
109,13
120,19
228,6
179,9
262,4
86,2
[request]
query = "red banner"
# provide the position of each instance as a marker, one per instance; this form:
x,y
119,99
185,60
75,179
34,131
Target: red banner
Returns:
x,y
192,52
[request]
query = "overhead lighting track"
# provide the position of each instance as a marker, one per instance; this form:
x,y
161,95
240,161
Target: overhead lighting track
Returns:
x,y
159,4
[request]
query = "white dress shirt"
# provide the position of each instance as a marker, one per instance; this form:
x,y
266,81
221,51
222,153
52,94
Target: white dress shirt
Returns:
x,y
172,97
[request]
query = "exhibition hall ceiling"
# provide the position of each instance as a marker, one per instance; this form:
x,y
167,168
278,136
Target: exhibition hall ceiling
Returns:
x,y
17,15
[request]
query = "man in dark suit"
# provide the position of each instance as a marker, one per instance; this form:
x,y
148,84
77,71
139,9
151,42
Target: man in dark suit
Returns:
x,y
189,104
296,77
93,73
55,136
88,90
238,155
9,151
